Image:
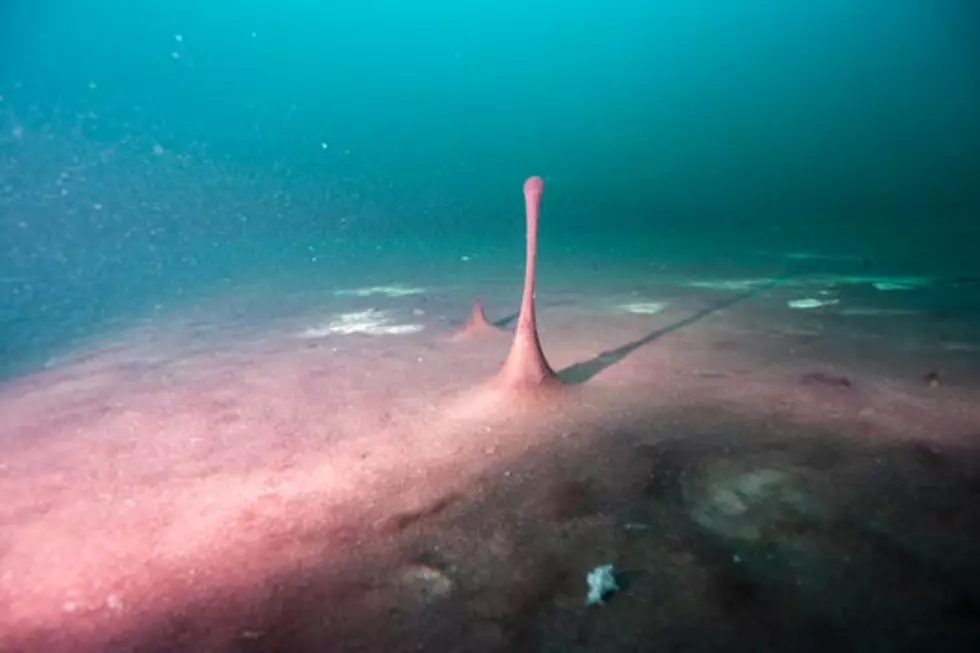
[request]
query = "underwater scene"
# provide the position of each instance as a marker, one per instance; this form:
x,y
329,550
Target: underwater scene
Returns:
x,y
482,326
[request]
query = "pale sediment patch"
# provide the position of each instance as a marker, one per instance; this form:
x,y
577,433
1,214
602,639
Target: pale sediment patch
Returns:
x,y
888,286
739,285
867,311
643,308
395,290
881,283
960,346
371,322
808,303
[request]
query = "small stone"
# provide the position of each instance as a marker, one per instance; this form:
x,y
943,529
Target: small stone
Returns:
x,y
425,582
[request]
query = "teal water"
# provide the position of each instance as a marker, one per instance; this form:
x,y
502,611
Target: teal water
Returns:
x,y
152,151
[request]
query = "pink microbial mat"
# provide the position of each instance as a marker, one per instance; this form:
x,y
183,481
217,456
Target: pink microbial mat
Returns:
x,y
370,471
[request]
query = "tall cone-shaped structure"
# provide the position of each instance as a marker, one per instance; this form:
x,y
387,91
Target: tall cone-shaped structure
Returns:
x,y
525,366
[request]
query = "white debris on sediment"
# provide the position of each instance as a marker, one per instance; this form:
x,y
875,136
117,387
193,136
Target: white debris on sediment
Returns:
x,y
601,582
371,322
395,290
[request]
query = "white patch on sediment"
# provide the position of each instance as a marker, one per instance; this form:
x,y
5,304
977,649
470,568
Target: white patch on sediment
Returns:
x,y
643,308
371,322
395,290
807,303
882,283
887,286
740,285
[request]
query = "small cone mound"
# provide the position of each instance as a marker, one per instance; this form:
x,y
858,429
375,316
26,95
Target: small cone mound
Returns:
x,y
476,325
